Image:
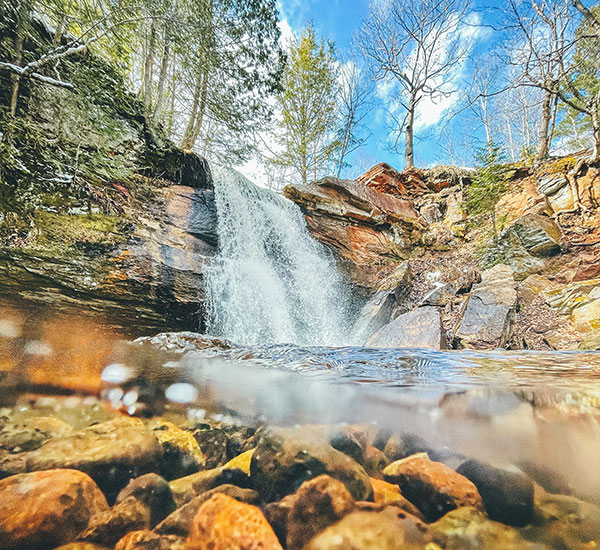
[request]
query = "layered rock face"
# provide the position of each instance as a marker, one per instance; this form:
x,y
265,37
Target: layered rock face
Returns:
x,y
144,264
435,281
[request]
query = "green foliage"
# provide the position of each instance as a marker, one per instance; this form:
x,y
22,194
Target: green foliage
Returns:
x,y
489,183
308,106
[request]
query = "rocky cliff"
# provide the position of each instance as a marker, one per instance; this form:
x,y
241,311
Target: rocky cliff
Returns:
x,y
438,280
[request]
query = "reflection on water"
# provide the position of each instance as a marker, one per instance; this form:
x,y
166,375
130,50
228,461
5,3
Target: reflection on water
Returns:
x,y
537,411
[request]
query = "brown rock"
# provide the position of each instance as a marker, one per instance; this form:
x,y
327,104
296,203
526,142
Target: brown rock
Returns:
x,y
319,503
46,509
186,488
180,521
82,546
285,458
388,493
223,523
278,513
111,525
147,540
432,487
154,492
374,461
390,529
181,453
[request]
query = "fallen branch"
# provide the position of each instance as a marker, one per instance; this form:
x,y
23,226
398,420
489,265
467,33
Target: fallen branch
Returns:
x,y
36,76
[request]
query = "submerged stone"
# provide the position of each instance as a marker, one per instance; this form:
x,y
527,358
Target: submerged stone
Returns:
x,y
284,459
46,509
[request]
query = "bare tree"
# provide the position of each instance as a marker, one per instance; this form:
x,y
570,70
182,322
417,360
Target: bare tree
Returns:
x,y
352,106
417,44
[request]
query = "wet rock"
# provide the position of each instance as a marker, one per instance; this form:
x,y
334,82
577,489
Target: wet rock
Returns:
x,y
186,488
387,302
147,540
31,433
223,523
241,439
154,492
46,509
390,529
278,513
440,296
213,443
468,529
432,487
110,452
285,459
389,493
111,525
374,461
82,546
180,521
241,462
489,314
419,328
181,453
319,503
564,522
351,442
507,496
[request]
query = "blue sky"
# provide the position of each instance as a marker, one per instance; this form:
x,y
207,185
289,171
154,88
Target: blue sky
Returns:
x,y
337,20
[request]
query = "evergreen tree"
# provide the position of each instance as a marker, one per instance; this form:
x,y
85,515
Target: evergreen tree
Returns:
x,y
308,108
489,183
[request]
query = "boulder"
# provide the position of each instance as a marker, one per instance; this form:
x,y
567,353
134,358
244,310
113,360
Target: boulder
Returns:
x,y
419,328
223,523
94,451
385,304
488,317
390,529
284,459
432,487
148,540
507,496
319,503
539,234
46,509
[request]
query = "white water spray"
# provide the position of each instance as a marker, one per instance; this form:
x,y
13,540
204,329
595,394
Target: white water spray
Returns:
x,y
271,281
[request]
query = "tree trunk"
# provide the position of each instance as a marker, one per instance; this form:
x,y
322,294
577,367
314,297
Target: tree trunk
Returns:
x,y
596,128
544,132
201,109
188,140
22,16
162,79
148,68
409,161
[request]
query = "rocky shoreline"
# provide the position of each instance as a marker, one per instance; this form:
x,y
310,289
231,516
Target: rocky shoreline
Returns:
x,y
79,475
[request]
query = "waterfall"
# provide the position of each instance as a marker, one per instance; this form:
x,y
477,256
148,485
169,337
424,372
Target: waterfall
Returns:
x,y
271,282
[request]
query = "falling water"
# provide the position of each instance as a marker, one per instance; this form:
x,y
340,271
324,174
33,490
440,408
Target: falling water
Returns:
x,y
271,281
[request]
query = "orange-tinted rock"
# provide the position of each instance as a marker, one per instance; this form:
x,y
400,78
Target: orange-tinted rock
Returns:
x,y
46,509
432,487
388,493
320,503
147,540
223,523
374,461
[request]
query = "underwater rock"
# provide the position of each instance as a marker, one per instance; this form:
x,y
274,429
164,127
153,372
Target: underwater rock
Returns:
x,y
180,521
111,525
419,328
223,523
374,461
489,315
213,443
148,540
390,529
432,487
154,492
95,452
181,453
30,433
186,488
284,459
319,503
467,528
507,496
278,513
46,509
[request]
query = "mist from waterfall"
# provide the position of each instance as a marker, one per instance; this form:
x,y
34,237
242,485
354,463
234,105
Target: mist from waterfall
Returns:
x,y
271,282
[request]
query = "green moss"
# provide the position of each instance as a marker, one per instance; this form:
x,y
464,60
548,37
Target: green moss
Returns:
x,y
80,229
